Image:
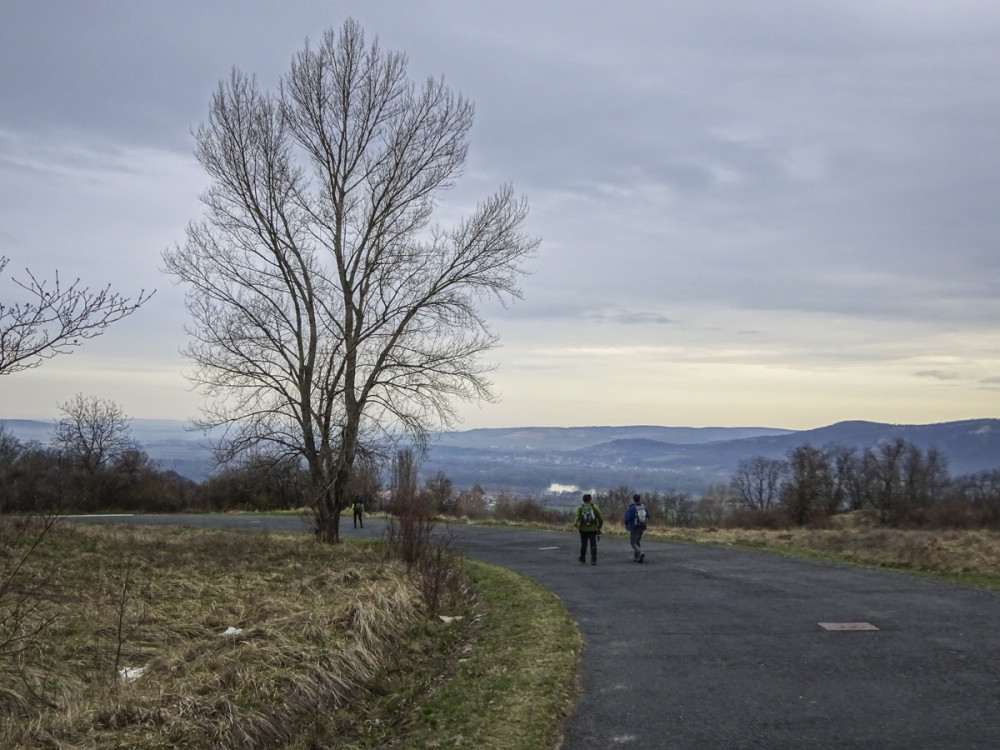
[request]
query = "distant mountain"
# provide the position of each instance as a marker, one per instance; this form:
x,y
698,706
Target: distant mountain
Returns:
x,y
571,438
29,430
529,460
684,459
970,446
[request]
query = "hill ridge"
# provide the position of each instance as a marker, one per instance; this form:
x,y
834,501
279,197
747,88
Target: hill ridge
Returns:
x,y
528,460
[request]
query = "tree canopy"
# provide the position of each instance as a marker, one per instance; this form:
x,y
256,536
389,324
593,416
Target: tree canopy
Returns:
x,y
329,312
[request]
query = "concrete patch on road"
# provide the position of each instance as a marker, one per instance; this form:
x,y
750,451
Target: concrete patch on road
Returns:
x,y
847,626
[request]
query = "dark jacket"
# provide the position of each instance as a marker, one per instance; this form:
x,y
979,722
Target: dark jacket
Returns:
x,y
630,516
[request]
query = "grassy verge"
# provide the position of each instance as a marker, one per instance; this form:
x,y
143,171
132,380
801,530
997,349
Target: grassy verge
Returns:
x,y
168,637
967,557
509,687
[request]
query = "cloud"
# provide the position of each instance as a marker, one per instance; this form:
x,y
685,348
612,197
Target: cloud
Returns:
x,y
799,198
937,375
624,317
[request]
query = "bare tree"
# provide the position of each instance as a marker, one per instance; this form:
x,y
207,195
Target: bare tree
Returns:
x,y
882,468
757,482
366,484
56,319
809,483
329,313
405,466
678,508
442,491
849,488
94,432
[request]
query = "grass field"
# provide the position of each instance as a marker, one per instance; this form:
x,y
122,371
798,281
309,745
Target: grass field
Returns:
x,y
967,557
167,637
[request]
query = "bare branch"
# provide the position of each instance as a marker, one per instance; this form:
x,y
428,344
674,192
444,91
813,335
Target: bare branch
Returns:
x,y
57,320
327,310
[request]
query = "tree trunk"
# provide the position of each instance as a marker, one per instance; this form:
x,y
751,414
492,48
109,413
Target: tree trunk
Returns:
x,y
328,518
329,531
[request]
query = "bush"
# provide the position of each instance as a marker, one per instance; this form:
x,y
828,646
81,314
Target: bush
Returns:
x,y
512,508
744,518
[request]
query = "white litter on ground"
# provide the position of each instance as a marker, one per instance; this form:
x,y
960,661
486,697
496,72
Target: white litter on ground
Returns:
x,y
130,674
231,631
446,618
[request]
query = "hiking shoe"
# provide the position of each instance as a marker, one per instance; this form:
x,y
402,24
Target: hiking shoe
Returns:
x,y
593,562
641,557
583,559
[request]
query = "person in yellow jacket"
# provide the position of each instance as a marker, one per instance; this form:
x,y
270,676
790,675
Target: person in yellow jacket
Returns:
x,y
588,521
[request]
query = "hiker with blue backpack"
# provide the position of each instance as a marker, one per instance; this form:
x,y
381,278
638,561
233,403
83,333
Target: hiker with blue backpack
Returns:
x,y
636,518
588,521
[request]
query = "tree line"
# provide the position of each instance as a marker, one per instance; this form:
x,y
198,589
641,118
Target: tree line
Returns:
x,y
893,483
896,482
93,464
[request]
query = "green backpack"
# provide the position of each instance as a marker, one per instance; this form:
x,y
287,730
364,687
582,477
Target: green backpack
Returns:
x,y
587,517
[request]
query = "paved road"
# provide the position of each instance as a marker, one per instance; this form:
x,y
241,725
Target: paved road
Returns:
x,y
702,648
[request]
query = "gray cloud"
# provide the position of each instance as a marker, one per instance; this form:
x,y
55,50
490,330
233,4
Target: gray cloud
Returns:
x,y
824,175
625,317
937,375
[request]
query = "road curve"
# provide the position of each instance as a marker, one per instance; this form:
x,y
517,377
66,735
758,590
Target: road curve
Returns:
x,y
702,648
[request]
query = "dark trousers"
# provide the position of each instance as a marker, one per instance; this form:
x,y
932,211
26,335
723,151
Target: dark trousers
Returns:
x,y
358,519
591,538
635,539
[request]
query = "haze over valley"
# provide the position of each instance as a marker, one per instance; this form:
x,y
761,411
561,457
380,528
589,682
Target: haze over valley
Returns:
x,y
534,461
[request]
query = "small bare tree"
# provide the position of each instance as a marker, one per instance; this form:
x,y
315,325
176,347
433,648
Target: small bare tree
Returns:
x,y
756,485
56,319
809,483
329,312
23,596
404,478
93,432
442,491
409,530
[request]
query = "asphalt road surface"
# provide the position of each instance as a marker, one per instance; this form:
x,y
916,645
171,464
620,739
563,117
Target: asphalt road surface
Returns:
x,y
701,648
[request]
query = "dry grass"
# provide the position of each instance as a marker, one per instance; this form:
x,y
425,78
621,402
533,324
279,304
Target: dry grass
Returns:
x,y
335,648
317,624
969,556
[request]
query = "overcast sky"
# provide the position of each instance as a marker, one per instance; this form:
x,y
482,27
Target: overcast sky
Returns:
x,y
775,213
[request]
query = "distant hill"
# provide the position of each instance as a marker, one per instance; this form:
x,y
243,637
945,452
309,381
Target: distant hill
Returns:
x,y
572,438
529,460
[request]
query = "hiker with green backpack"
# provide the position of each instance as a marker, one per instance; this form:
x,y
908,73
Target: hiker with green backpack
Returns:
x,y
636,518
588,521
